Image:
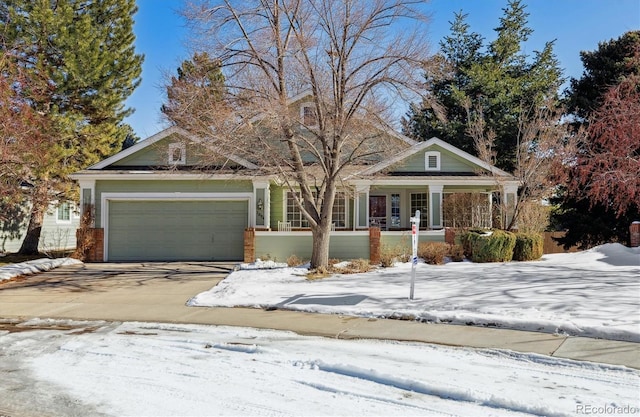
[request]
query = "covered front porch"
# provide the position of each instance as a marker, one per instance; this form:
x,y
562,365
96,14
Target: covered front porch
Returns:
x,y
390,206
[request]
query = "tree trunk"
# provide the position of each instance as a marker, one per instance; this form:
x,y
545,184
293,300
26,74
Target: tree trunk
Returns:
x,y
320,248
32,238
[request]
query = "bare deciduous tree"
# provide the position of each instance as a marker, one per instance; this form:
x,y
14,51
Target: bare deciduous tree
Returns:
x,y
356,58
546,148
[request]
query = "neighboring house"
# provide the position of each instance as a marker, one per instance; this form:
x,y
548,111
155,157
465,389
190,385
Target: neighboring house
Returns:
x,y
156,201
58,228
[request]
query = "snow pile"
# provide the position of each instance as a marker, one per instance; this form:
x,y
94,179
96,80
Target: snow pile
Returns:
x,y
611,255
35,266
618,255
260,264
595,293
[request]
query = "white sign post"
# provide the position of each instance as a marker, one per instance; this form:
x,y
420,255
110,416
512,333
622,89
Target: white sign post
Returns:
x,y
415,227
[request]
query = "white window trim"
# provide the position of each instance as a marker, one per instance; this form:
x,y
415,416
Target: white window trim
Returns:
x,y
304,106
426,161
183,153
65,221
347,207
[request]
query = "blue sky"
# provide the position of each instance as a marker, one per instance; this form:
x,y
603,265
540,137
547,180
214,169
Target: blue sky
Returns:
x,y
576,25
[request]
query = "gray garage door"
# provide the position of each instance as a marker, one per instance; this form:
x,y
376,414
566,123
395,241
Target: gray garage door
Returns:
x,y
176,230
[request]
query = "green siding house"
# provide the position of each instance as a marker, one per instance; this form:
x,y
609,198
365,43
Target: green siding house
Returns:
x,y
157,201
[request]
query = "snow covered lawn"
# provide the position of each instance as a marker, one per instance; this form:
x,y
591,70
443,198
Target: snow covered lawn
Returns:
x,y
163,369
594,293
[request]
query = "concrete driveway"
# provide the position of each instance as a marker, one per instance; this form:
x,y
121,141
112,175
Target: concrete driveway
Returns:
x,y
110,291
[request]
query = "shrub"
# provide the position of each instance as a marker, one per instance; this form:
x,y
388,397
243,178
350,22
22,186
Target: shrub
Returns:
x,y
318,273
433,252
529,247
456,253
495,247
355,266
85,240
293,260
390,255
465,240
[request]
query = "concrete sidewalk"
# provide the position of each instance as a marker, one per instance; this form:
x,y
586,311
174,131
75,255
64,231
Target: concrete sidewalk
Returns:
x,y
157,292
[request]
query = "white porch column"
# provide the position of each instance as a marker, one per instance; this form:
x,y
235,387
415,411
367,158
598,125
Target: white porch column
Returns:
x,y
361,215
262,201
490,196
435,206
509,200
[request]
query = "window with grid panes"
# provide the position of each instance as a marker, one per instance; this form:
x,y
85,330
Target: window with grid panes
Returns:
x,y
309,116
420,201
294,215
64,212
395,210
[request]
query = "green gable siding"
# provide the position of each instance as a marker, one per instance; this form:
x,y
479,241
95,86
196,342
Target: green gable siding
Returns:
x,y
449,162
158,154
145,157
167,186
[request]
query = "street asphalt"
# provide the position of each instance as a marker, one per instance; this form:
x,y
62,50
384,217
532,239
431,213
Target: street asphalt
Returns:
x,y
158,292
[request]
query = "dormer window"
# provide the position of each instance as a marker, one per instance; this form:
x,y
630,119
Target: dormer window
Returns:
x,y
177,154
432,161
308,115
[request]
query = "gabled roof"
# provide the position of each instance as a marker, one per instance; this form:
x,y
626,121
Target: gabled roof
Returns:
x,y
309,94
421,146
158,137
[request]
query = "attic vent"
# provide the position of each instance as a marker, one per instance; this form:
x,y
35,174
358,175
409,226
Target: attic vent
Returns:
x,y
177,154
432,161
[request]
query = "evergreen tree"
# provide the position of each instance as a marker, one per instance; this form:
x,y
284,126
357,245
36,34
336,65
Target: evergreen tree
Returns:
x,y
499,81
199,84
603,68
444,116
85,52
595,208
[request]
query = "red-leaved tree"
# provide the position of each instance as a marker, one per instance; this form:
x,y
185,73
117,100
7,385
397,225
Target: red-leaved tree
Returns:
x,y
608,168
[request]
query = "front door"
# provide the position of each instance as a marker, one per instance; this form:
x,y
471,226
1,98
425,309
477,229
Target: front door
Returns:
x,y
378,211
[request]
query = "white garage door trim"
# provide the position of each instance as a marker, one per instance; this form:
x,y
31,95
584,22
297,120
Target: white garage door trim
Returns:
x,y
105,198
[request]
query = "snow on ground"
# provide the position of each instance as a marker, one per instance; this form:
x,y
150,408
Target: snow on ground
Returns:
x,y
35,266
165,369
593,293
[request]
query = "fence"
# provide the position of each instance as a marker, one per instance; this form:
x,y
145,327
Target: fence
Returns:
x,y
551,246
